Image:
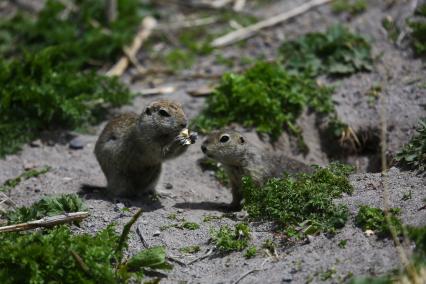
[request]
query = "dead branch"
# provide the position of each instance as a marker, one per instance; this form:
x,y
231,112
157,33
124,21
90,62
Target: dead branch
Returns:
x,y
147,26
251,30
157,91
46,222
239,5
208,253
111,10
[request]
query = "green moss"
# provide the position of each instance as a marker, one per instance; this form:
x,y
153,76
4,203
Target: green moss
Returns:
x,y
370,218
190,226
302,204
250,252
413,154
81,28
58,256
419,31
190,249
342,244
266,97
12,183
44,91
47,206
228,240
354,7
335,52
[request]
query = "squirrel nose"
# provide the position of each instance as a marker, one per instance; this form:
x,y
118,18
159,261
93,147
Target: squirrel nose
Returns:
x,y
204,149
183,125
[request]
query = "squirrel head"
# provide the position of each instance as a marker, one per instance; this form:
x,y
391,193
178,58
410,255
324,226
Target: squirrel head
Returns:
x,y
228,147
164,117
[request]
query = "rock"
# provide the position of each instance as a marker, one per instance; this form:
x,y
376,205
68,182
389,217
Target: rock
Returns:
x,y
76,144
156,233
36,143
168,185
369,233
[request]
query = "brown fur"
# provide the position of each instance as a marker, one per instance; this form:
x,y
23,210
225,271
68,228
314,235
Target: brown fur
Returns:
x,y
132,147
240,158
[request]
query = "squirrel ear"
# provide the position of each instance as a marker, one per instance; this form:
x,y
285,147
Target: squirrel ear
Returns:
x,y
242,140
148,111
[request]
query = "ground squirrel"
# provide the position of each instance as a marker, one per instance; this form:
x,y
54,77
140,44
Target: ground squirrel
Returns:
x,y
239,158
132,147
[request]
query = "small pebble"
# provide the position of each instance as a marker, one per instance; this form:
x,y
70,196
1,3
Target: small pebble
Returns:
x,y
156,233
37,190
168,185
180,211
76,143
36,143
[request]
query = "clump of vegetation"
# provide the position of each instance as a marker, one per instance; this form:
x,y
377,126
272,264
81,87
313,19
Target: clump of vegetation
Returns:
x,y
12,183
419,31
46,79
370,218
60,256
250,252
42,92
354,7
57,255
227,239
413,155
190,226
266,97
48,206
190,249
336,52
80,28
302,204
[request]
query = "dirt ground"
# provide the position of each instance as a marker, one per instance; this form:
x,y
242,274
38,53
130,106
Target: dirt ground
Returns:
x,y
195,194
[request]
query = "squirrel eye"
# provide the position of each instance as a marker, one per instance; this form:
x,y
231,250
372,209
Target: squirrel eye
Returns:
x,y
163,112
224,138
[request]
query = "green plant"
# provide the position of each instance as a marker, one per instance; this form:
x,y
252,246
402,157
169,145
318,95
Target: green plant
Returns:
x,y
370,218
228,240
418,34
41,91
343,243
57,255
266,97
347,6
12,183
328,274
302,204
335,52
190,249
413,155
190,226
47,206
250,252
209,218
79,27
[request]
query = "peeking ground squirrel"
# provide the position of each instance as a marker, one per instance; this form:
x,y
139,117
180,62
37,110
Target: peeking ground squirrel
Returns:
x,y
239,158
132,147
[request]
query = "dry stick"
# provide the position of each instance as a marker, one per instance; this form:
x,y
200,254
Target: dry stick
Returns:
x,y
157,91
147,26
209,252
46,222
111,10
141,238
245,275
239,5
251,30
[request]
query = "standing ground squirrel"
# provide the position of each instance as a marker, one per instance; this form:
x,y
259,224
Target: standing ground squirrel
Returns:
x,y
240,158
132,147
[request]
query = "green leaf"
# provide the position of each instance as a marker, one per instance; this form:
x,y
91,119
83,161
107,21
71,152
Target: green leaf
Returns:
x,y
154,258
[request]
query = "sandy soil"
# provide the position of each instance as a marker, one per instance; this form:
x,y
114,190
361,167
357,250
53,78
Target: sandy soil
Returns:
x,y
195,194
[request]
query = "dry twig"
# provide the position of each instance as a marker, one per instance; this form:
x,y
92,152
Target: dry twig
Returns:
x,y
157,91
251,30
147,26
46,222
